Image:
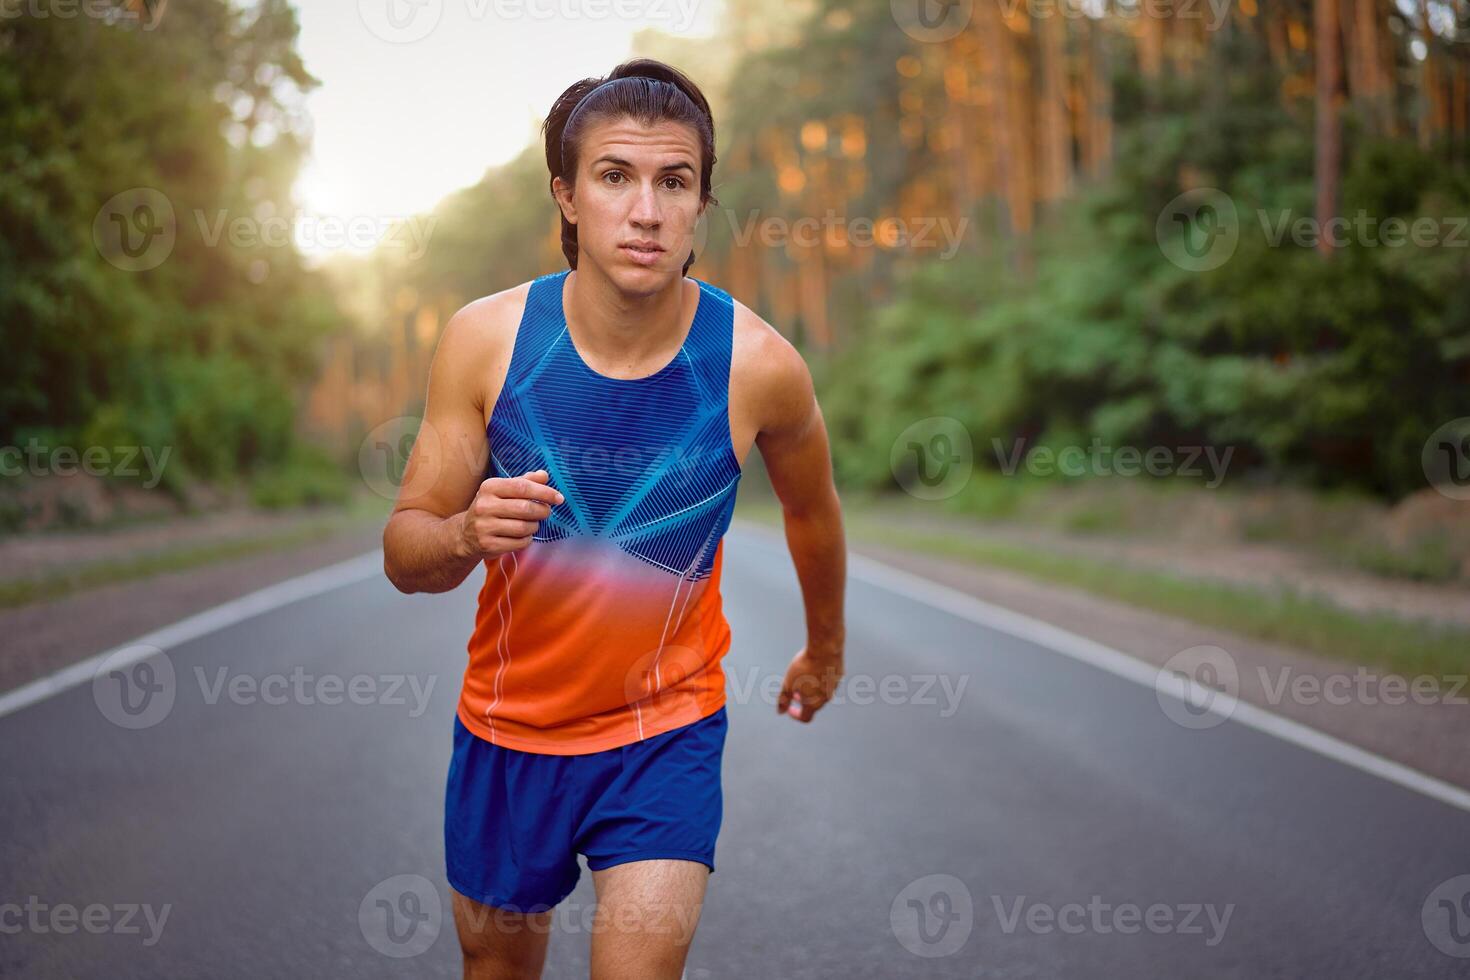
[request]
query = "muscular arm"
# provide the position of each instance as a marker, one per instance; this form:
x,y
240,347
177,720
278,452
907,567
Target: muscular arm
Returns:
x,y
446,519
792,438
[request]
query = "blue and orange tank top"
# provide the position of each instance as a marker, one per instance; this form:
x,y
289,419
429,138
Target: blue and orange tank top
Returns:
x,y
608,628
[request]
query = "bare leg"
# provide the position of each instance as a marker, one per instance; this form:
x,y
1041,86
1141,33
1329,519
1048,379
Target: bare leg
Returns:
x,y
499,944
646,915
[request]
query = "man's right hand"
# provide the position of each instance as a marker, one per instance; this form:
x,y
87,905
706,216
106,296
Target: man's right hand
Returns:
x,y
505,513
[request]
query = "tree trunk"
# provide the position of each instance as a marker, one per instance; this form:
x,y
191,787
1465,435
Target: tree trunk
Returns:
x,y
1329,128
1428,107
1056,128
1368,70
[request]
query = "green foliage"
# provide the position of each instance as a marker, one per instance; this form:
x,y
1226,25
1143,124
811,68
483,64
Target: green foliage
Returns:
x,y
1329,370
206,351
1423,560
309,477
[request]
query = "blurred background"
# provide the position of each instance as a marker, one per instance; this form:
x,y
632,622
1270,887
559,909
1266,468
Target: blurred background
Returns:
x,y
235,230
1175,285
1096,273
1150,319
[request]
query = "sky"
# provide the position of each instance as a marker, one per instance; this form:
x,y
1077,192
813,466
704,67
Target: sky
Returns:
x,y
420,97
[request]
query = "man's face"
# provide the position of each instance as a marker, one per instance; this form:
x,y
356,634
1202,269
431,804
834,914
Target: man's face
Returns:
x,y
636,201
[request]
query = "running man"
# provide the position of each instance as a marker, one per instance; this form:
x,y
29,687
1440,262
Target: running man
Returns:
x,y
583,437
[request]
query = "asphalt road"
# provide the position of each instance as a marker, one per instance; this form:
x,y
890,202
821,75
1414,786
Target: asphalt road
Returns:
x,y
986,808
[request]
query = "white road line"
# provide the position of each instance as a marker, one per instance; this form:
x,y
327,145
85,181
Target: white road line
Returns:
x,y
907,584
271,597
1122,665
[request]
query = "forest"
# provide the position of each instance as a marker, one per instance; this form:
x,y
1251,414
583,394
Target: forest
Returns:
x,y
130,316
1058,222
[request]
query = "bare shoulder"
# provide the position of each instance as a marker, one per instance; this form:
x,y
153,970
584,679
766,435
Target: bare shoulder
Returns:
x,y
768,374
475,346
486,324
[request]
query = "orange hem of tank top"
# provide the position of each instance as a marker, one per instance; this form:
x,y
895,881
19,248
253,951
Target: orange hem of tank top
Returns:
x,y
563,746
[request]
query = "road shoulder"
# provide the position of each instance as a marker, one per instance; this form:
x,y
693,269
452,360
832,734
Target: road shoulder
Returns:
x,y
1360,705
44,637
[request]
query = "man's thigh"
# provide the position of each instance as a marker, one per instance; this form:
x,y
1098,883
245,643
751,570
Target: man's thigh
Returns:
x,y
500,944
647,912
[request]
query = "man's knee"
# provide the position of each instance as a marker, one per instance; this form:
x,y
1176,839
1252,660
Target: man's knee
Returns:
x,y
500,944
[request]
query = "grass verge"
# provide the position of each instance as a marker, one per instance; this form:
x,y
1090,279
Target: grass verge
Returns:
x,y
1404,646
62,582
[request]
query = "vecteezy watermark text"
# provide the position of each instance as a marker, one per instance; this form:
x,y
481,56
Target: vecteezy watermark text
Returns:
x,y
136,687
363,232
936,21
39,459
918,233
933,916
301,688
1100,459
1201,228
1200,687
63,918
942,692
408,21
1363,229
110,11
1101,917
137,229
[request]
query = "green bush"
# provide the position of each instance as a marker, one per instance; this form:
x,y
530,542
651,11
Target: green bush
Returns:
x,y
1424,560
1325,371
307,478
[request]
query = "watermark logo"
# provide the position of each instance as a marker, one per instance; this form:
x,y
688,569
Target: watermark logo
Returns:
x,y
1362,229
401,916
1446,917
933,458
382,457
920,233
1363,686
41,918
135,687
941,693
573,917
39,459
400,21
409,233
407,21
1197,688
1100,459
300,687
1212,12
933,916
673,16
1198,230
1101,917
136,229
662,682
932,21
700,237
148,13
1446,459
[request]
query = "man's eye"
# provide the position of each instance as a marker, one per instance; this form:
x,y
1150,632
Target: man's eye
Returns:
x,y
677,183
613,173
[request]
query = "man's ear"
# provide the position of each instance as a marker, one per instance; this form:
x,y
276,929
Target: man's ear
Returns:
x,y
565,199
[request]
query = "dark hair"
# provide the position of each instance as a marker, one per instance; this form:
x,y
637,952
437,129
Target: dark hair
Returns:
x,y
648,91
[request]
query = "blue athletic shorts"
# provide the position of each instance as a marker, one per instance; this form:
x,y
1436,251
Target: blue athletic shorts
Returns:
x,y
514,822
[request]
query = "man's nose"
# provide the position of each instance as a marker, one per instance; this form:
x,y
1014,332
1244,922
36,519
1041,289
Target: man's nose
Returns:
x,y
646,210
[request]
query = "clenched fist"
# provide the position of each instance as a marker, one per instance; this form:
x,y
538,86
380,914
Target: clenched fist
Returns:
x,y
505,513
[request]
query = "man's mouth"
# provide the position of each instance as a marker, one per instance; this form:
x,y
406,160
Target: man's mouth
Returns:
x,y
643,253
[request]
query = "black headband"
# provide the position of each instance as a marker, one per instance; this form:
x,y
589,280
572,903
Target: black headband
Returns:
x,y
562,149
